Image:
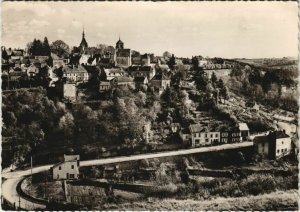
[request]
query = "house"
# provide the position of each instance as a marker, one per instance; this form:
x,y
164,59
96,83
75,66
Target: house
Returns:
x,y
230,135
120,81
185,135
274,145
138,71
252,106
76,74
175,127
32,70
203,135
68,169
84,59
70,91
136,60
145,60
243,127
17,54
104,86
111,73
160,81
58,61
141,80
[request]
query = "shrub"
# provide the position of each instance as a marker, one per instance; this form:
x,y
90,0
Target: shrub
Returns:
x,y
164,191
144,163
258,183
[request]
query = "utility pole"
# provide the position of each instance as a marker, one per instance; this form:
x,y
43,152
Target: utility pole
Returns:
x,y
31,168
19,202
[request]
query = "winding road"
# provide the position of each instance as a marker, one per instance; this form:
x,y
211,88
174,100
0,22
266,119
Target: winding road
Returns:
x,y
9,185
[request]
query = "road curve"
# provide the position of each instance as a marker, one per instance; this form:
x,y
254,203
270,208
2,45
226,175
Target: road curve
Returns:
x,y
9,191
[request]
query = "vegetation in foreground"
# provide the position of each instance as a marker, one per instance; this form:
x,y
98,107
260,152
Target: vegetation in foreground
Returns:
x,y
278,200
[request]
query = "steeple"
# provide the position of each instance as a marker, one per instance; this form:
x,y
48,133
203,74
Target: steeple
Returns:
x,y
83,32
83,43
119,44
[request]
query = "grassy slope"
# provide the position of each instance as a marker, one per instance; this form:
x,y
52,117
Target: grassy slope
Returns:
x,y
274,201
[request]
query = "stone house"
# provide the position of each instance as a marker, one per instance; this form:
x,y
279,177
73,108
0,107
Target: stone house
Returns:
x,y
274,145
160,82
68,169
76,74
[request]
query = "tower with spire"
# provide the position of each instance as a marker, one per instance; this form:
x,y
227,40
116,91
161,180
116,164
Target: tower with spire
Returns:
x,y
83,43
119,44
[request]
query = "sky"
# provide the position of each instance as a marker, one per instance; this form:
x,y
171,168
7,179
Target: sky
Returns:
x,y
213,29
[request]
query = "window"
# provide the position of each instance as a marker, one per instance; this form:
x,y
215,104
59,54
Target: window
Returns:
x,y
286,149
59,168
278,150
211,135
282,142
281,150
217,135
205,135
206,140
72,166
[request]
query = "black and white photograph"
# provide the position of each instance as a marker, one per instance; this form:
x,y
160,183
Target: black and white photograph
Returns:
x,y
149,106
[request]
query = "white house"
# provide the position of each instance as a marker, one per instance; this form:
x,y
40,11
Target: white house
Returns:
x,y
275,145
68,169
203,135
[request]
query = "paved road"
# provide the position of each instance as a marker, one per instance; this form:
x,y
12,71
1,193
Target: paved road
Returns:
x,y
165,154
12,178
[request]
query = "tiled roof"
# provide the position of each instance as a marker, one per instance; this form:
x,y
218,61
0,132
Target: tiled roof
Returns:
x,y
17,53
195,128
278,134
160,77
243,126
55,57
68,69
139,79
104,83
109,71
185,131
124,79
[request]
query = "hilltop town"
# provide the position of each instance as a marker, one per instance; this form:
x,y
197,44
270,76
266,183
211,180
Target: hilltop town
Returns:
x,y
113,118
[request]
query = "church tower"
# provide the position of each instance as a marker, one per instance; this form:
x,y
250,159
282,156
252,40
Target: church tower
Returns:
x,y
119,44
83,43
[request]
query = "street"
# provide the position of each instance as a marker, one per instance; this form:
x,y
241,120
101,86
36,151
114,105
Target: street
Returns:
x,y
12,178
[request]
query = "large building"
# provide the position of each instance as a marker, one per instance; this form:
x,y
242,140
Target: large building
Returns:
x,y
123,56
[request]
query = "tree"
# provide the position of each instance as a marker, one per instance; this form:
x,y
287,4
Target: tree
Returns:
x,y
36,48
60,48
4,54
167,54
213,78
200,79
66,125
172,62
170,97
46,48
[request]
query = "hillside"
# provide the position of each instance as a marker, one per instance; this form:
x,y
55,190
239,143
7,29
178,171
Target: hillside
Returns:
x,y
274,201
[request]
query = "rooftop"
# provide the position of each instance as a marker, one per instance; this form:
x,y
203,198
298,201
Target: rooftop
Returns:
x,y
243,126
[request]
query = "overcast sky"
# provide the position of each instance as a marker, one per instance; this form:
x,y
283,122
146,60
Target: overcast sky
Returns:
x,y
225,29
